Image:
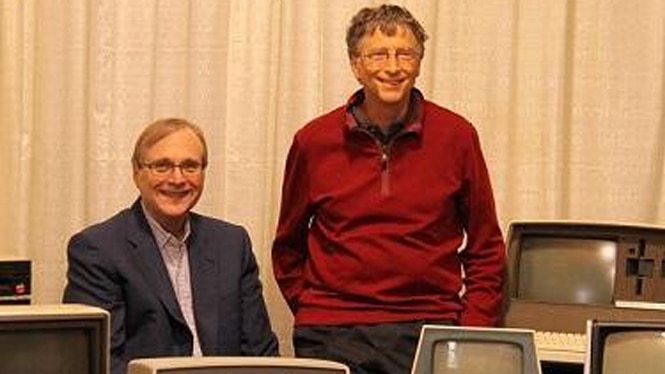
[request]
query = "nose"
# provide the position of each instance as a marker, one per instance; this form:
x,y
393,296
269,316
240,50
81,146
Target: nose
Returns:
x,y
177,175
392,64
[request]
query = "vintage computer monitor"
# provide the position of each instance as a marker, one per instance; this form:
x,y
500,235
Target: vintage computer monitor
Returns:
x,y
54,339
562,273
15,281
235,365
475,350
620,347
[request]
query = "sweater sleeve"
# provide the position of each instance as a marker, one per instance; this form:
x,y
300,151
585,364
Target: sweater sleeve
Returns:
x,y
289,249
484,258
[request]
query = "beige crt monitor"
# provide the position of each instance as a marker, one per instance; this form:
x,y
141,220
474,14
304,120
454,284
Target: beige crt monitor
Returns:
x,y
54,339
235,365
444,349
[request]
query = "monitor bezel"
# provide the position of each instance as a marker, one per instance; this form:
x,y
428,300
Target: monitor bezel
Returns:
x,y
95,321
432,334
599,330
156,365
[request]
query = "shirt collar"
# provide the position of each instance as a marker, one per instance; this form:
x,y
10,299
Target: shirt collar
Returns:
x,y
162,237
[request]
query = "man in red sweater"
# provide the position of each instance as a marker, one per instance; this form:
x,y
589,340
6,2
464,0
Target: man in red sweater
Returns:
x,y
387,218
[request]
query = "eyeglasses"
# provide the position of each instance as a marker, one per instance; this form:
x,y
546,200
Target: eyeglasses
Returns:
x,y
401,55
162,168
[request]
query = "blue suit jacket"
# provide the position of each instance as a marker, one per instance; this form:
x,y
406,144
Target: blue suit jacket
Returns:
x,y
116,265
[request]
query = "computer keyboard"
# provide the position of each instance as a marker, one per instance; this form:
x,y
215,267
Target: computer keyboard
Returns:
x,y
561,346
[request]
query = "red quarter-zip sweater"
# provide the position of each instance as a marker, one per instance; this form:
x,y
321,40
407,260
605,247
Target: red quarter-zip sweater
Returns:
x,y
370,233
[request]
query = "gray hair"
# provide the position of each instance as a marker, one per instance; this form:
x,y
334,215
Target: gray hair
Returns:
x,y
386,18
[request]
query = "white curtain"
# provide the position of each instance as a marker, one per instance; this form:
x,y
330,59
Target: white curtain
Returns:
x,y
567,96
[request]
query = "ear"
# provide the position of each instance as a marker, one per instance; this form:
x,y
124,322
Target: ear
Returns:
x,y
416,73
356,67
135,175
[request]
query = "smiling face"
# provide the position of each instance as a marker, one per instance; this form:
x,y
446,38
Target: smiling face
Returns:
x,y
170,196
388,79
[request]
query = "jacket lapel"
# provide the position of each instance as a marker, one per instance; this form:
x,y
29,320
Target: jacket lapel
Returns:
x,y
205,285
151,263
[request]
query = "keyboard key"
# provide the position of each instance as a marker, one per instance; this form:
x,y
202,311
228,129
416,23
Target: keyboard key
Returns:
x,y
561,346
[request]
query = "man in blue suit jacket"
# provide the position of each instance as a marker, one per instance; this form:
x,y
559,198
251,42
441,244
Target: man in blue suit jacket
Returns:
x,y
175,282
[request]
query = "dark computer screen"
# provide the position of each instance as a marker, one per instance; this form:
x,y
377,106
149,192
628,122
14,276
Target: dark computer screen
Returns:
x,y
470,357
569,270
626,352
67,340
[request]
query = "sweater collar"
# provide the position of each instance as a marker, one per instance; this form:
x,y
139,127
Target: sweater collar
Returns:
x,y
414,113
